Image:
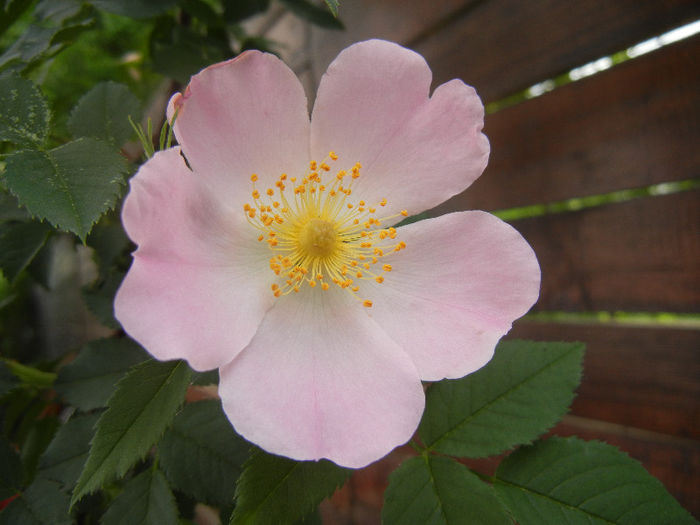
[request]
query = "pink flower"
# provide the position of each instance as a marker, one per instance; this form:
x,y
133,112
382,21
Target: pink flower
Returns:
x,y
273,257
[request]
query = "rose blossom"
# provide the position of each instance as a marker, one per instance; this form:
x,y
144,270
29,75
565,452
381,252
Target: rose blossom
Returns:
x,y
270,252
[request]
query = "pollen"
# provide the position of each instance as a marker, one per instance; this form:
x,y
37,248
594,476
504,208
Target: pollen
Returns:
x,y
318,231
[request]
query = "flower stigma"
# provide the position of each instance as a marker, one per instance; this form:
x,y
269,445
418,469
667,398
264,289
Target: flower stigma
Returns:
x,y
319,234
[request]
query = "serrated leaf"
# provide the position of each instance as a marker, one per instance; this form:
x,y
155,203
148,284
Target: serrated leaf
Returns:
x,y
70,186
103,113
43,503
333,6
138,413
135,8
19,244
202,455
24,113
313,13
275,490
525,389
89,381
11,471
65,456
572,481
432,490
8,380
146,500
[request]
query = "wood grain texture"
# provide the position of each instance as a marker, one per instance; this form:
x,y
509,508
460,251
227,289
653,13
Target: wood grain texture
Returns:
x,y
631,126
503,46
647,378
640,255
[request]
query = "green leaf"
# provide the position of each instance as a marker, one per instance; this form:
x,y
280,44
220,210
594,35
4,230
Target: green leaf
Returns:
x,y
432,490
135,8
89,381
35,443
313,13
103,113
333,6
572,481
202,455
19,244
146,500
10,470
138,413
70,186
275,490
57,11
43,503
8,380
65,456
525,389
32,44
24,113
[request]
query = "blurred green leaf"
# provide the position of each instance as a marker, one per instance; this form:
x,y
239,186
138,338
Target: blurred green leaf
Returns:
x,y
179,52
135,8
138,413
146,500
57,11
275,490
238,10
525,389
19,244
24,113
10,209
38,438
102,113
8,380
71,186
43,503
439,491
313,13
572,481
11,10
333,6
202,455
11,471
89,381
65,456
99,298
202,11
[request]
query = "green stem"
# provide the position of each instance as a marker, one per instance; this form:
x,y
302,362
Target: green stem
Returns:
x,y
29,375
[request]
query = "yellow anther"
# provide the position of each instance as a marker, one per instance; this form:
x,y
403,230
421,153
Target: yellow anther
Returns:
x,y
324,286
274,287
404,213
261,237
251,213
283,176
313,166
358,275
355,288
246,207
382,202
325,167
367,304
312,284
253,177
386,267
270,192
379,279
332,155
256,194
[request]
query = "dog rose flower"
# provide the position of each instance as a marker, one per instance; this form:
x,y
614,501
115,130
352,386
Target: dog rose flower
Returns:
x,y
267,249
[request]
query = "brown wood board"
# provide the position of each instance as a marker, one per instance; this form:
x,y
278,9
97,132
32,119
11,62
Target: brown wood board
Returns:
x,y
504,46
640,255
631,126
642,377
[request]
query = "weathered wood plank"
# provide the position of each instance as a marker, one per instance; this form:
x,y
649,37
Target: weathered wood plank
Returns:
x,y
648,378
396,20
503,46
640,255
634,125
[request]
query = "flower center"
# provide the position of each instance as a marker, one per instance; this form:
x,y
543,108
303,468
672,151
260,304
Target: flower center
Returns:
x,y
318,238
319,235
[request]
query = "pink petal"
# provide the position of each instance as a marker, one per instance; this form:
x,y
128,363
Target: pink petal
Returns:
x,y
247,115
454,291
321,380
373,107
198,287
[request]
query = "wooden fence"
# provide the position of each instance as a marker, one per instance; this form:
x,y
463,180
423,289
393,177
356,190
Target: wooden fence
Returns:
x,y
633,125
